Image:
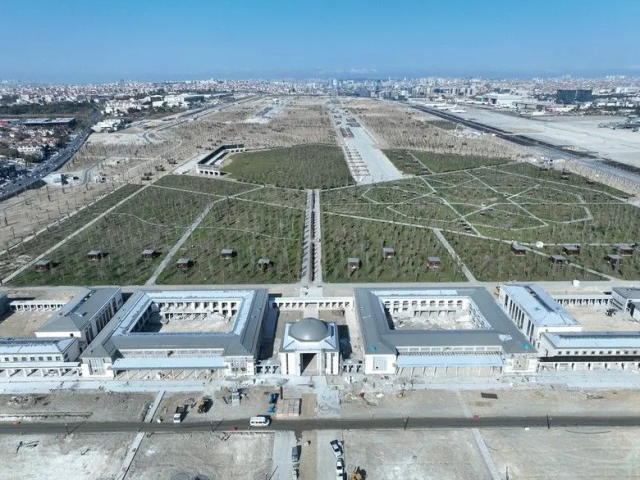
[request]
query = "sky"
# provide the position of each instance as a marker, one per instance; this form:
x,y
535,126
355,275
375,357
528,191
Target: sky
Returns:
x,y
150,40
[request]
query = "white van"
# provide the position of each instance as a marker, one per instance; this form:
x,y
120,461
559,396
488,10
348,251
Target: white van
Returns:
x,y
260,421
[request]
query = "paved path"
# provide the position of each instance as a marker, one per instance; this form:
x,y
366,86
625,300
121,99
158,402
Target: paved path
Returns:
x,y
467,273
317,239
137,441
306,273
179,243
283,443
69,237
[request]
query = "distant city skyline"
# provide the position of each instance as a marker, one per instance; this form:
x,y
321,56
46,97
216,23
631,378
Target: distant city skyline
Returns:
x,y
73,41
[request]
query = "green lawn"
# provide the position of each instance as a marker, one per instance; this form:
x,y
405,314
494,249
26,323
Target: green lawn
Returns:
x,y
27,251
437,162
254,231
493,261
299,167
344,237
156,217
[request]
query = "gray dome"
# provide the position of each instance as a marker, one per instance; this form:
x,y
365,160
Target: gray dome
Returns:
x,y
309,330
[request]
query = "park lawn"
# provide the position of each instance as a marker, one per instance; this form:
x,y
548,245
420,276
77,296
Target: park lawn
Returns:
x,y
156,218
299,167
447,162
345,237
122,239
203,184
65,227
279,196
594,257
490,260
254,231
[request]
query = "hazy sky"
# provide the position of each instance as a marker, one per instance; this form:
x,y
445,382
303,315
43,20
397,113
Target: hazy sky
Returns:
x,y
92,40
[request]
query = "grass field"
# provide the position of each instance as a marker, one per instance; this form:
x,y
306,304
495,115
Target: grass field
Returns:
x,y
515,202
157,217
345,237
420,162
493,261
200,184
254,231
11,260
299,167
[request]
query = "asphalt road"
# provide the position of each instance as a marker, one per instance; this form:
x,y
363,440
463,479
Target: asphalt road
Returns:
x,y
407,423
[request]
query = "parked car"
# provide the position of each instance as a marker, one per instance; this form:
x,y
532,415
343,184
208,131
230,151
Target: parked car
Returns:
x,y
295,454
340,469
336,447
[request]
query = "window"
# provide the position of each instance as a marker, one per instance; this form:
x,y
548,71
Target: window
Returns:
x,y
15,359
617,352
609,352
49,359
40,359
58,358
584,352
24,359
33,359
593,352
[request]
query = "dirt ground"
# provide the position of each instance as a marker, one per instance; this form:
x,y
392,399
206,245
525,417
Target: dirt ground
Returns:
x,y
302,120
566,454
241,455
414,455
399,126
595,318
33,210
22,324
77,457
97,406
255,402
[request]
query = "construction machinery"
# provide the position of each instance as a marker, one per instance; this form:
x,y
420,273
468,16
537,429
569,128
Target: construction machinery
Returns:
x,y
202,404
356,475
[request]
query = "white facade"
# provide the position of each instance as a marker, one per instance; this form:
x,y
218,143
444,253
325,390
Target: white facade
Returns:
x,y
306,341
84,316
534,312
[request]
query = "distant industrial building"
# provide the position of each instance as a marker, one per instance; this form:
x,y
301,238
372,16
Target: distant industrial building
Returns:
x,y
574,96
500,100
109,125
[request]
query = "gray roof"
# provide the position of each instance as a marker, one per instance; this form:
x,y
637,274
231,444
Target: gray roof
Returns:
x,y
378,336
36,346
79,311
309,330
244,338
543,310
628,293
595,340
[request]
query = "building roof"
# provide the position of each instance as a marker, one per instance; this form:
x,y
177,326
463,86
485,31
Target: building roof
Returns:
x,y
36,346
312,336
379,338
588,340
79,311
543,310
243,339
628,293
309,330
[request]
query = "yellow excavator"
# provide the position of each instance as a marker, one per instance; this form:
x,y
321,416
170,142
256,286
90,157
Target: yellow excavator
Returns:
x,y
356,475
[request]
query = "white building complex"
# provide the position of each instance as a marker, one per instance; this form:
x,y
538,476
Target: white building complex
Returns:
x,y
180,334
188,333
560,339
56,347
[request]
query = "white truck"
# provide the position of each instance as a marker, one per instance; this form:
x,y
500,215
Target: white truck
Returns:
x,y
179,415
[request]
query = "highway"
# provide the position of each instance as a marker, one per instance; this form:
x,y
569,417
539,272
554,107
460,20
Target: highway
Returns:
x,y
50,165
403,423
